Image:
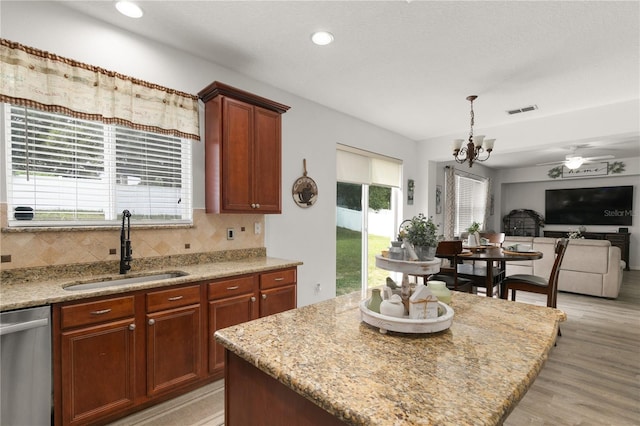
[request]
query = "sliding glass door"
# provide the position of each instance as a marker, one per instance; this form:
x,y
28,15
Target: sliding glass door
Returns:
x,y
366,215
366,221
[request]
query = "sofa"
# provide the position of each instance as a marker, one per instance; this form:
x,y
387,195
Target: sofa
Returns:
x,y
591,267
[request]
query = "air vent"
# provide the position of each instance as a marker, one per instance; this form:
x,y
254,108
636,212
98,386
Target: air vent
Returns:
x,y
523,109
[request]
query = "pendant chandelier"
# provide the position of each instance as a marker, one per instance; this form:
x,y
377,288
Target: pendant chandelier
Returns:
x,y
477,148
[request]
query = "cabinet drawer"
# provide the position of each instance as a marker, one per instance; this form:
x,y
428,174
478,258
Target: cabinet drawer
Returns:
x,y
231,287
278,278
616,239
96,312
173,298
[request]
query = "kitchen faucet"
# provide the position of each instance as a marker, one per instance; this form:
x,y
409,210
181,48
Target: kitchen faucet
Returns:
x,y
125,244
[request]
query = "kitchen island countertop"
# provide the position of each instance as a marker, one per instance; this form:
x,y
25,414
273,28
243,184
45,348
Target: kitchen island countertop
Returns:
x,y
473,373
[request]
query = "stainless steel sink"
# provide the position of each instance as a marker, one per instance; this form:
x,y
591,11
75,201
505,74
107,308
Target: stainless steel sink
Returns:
x,y
124,281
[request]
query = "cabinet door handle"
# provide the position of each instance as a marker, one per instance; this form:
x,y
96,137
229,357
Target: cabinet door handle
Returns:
x,y
279,279
132,327
173,299
152,321
253,298
234,287
264,297
101,312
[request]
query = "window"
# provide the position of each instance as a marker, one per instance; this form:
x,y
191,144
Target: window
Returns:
x,y
471,201
72,171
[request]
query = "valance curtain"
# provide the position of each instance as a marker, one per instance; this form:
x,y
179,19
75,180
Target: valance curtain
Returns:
x,y
39,79
449,203
488,202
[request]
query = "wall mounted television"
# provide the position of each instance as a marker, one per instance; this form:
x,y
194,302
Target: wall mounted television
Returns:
x,y
607,205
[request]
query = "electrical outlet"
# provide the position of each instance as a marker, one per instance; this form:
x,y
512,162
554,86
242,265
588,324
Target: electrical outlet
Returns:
x,y
257,228
230,233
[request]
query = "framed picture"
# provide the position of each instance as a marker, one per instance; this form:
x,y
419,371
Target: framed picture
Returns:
x,y
438,199
410,188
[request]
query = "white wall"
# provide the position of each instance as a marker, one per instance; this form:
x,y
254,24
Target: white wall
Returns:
x,y
309,130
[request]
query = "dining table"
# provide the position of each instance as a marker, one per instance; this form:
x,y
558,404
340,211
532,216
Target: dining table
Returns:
x,y
499,255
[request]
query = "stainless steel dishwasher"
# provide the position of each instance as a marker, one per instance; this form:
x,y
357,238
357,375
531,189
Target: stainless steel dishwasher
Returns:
x,y
25,367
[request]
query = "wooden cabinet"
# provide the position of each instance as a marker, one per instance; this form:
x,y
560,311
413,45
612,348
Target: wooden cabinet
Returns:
x,y
277,291
174,338
237,300
117,354
621,240
232,301
97,359
242,151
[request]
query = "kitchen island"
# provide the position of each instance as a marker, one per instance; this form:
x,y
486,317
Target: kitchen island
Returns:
x,y
320,364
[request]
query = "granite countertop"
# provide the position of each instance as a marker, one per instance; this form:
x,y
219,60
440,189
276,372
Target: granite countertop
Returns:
x,y
473,373
18,291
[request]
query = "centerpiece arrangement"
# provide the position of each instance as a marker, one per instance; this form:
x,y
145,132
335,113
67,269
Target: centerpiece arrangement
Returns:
x,y
474,235
410,308
419,235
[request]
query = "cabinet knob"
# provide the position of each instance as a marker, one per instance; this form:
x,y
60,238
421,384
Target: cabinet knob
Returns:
x,y
264,297
152,321
253,298
257,206
253,206
132,327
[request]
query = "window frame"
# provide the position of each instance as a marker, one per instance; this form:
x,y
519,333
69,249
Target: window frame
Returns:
x,y
113,215
460,228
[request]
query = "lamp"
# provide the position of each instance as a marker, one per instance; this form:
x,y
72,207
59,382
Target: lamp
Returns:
x,y
573,163
476,147
129,9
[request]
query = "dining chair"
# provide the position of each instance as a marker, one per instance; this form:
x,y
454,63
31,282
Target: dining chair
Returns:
x,y
494,238
535,283
450,250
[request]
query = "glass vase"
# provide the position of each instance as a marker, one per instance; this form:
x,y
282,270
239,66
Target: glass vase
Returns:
x,y
375,301
440,290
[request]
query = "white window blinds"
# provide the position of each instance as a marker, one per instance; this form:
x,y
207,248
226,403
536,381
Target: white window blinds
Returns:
x,y
72,171
470,201
362,167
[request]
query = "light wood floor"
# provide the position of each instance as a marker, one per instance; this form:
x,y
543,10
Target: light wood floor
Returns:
x,y
592,377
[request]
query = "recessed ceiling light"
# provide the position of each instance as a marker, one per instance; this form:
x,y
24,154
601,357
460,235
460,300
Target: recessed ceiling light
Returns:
x,y
322,38
129,9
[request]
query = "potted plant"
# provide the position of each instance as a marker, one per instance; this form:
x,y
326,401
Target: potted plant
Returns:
x,y
421,233
474,236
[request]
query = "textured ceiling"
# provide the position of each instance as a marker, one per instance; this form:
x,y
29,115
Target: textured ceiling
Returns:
x,y
408,66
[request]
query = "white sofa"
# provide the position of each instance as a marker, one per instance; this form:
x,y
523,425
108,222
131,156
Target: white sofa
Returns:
x,y
591,267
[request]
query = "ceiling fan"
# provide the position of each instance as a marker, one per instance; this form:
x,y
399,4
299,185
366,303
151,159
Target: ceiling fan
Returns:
x,y
573,160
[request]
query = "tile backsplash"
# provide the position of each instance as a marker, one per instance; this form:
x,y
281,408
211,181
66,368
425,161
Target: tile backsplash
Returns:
x,y
31,248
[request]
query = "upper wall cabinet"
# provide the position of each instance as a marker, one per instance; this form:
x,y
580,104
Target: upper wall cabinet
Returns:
x,y
242,151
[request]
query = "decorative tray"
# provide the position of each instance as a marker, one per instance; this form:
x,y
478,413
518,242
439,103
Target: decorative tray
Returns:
x,y
405,324
425,267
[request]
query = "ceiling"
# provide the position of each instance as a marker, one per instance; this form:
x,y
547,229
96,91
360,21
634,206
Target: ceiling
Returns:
x,y
408,66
